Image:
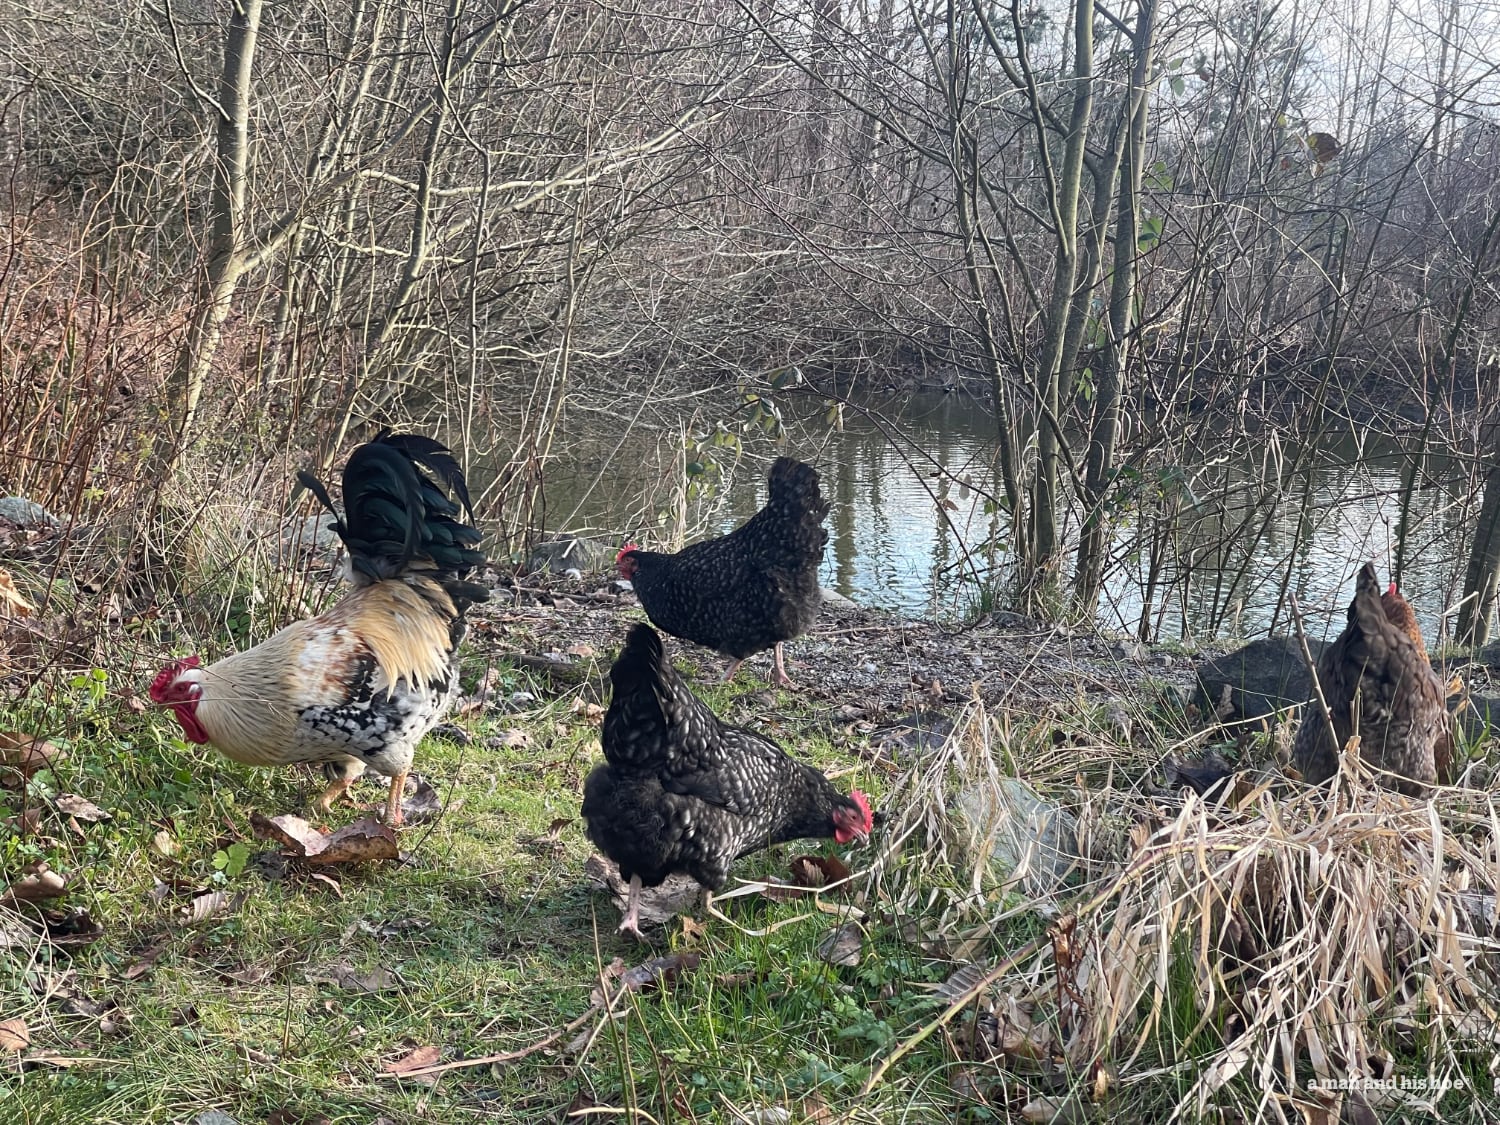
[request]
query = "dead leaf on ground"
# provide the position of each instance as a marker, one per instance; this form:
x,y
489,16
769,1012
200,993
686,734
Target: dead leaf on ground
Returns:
x,y
962,980
418,1059
328,881
71,929
658,905
14,1035
513,739
164,844
80,808
147,958
818,870
26,824
843,946
38,884
23,756
250,975
659,972
591,712
364,841
343,975
12,601
423,805
475,703
211,905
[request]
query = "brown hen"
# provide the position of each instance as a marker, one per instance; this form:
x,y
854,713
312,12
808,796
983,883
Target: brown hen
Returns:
x,y
1378,684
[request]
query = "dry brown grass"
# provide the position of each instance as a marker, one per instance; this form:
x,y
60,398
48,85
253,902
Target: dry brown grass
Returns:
x,y
1251,961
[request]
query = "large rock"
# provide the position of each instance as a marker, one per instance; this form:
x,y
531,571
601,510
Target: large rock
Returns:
x,y
25,513
1262,678
570,552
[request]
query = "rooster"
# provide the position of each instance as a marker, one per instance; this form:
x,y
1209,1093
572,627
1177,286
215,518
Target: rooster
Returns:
x,y
356,687
746,591
681,791
1378,684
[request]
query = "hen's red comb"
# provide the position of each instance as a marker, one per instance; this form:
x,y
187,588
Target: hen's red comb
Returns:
x,y
864,806
625,550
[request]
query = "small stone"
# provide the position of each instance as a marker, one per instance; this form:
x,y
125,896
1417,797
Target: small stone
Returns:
x,y
521,698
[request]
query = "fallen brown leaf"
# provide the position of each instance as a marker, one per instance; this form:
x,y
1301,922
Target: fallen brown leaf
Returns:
x,y
343,975
71,929
70,804
165,844
14,1035
328,881
424,804
414,1060
658,905
38,883
364,841
11,599
23,756
818,870
843,946
146,958
211,905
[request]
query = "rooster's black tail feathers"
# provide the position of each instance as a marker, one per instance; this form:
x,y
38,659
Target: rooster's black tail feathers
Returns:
x,y
397,515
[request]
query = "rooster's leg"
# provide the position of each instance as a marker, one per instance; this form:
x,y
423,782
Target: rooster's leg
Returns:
x,y
733,668
781,679
632,922
339,786
393,800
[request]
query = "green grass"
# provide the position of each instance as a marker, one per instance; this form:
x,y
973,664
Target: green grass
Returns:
x,y
496,943
493,931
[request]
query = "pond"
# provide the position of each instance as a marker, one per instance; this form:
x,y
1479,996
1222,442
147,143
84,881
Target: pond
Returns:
x,y
910,522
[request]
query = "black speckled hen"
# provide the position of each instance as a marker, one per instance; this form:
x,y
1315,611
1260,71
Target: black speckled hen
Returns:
x,y
747,591
680,791
1378,684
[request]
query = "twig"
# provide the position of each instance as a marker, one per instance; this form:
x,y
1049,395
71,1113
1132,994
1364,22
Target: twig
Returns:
x,y
1312,669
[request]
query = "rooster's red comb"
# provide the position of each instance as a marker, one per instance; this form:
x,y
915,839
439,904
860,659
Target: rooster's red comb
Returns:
x,y
165,677
625,550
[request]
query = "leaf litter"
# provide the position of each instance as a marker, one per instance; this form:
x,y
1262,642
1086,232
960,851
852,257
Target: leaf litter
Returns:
x,y
364,841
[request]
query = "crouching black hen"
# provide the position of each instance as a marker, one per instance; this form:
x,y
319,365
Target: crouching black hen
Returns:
x,y
749,590
681,791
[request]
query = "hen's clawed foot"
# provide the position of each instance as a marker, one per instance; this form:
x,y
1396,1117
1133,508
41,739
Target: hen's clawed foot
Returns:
x,y
779,676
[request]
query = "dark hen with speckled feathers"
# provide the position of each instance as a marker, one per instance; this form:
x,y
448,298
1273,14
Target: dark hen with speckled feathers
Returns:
x,y
1378,684
749,590
680,791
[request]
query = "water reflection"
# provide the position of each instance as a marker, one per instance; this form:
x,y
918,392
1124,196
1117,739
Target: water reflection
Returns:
x,y
906,534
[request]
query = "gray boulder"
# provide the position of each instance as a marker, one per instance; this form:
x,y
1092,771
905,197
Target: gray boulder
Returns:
x,y
25,513
1262,678
570,552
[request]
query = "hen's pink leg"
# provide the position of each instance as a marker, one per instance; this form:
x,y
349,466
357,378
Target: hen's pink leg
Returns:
x,y
781,679
632,923
733,668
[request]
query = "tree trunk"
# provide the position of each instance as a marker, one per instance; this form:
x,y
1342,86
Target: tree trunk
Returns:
x,y
1110,381
1482,575
223,255
1044,509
